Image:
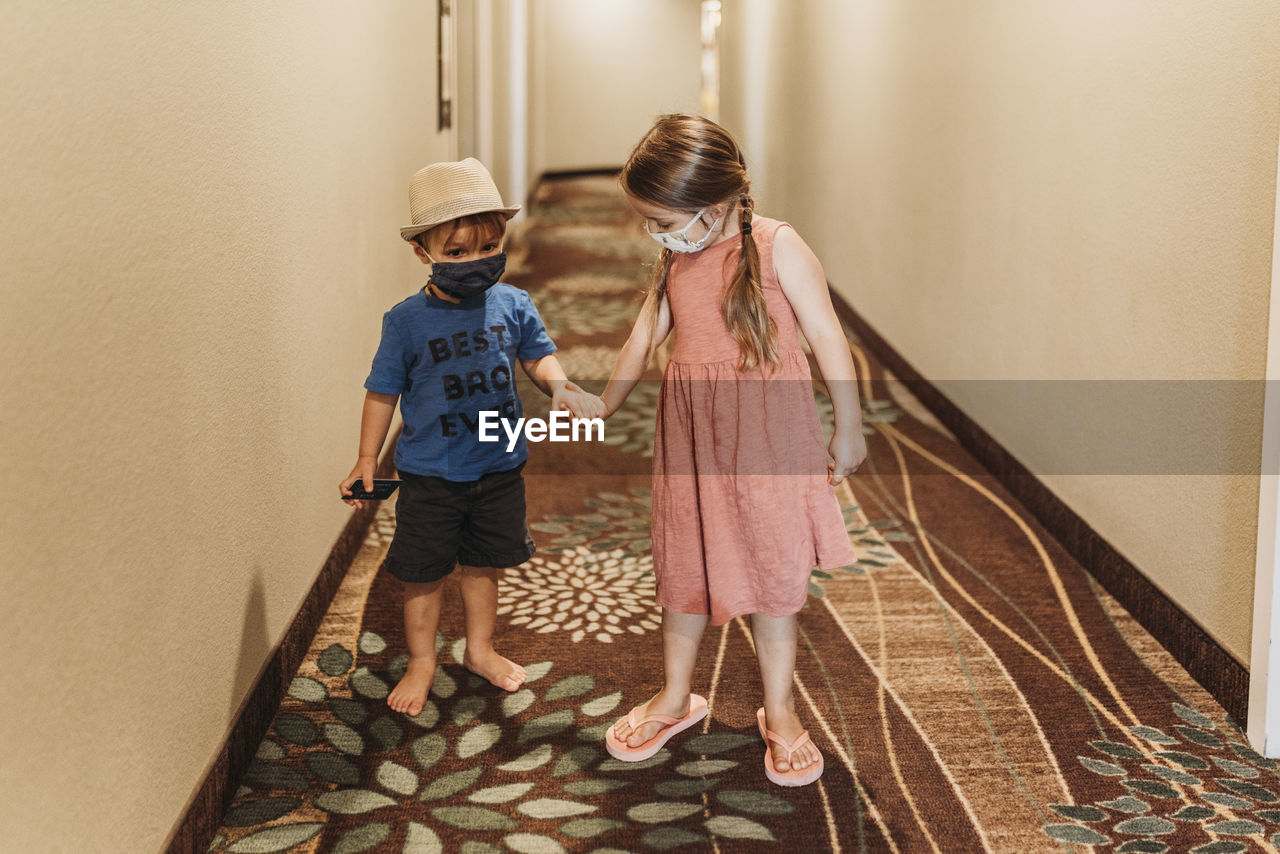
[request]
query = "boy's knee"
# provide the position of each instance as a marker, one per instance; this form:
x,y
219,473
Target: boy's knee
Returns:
x,y
469,571
421,588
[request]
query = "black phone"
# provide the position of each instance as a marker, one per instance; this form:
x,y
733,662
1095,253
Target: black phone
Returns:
x,y
381,489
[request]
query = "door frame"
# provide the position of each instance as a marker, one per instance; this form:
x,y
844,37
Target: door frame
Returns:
x,y
1264,663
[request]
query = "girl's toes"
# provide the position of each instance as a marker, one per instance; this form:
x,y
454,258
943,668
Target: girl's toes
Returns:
x,y
635,739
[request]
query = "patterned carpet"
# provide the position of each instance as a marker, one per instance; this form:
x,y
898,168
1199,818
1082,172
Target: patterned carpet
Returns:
x,y
971,687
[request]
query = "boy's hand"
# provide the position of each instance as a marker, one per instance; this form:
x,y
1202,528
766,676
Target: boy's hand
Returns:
x,y
363,471
579,403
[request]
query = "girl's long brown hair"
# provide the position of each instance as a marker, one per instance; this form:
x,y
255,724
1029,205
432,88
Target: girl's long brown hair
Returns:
x,y
686,163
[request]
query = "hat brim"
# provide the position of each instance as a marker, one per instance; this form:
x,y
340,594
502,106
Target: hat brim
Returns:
x,y
409,232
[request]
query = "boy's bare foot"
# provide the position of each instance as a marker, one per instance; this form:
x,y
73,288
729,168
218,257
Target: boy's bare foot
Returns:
x,y
674,706
787,725
410,693
502,672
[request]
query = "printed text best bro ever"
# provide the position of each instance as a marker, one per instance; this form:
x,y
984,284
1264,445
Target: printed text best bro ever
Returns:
x,y
463,347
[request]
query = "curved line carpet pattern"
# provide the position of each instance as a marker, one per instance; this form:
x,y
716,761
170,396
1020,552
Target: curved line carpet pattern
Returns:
x,y
971,687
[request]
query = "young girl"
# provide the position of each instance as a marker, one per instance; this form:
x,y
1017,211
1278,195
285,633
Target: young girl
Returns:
x,y
743,499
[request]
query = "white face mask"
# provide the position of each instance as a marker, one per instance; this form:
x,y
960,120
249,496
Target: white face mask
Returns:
x,y
676,241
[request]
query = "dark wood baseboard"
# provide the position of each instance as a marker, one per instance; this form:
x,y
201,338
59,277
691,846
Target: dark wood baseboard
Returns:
x,y
195,830
1204,658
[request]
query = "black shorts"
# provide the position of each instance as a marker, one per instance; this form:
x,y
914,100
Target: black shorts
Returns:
x,y
441,523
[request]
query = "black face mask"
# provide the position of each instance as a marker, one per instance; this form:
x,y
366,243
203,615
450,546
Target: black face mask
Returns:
x,y
464,279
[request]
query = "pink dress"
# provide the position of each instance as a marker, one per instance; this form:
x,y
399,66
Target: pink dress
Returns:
x,y
742,511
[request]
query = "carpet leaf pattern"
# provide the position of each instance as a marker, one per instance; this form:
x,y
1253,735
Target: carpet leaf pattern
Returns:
x,y
970,686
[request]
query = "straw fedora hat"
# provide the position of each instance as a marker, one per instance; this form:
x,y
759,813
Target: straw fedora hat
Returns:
x,y
444,191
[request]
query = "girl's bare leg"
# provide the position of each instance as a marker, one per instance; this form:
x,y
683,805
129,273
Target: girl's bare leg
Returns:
x,y
681,634
421,618
775,639
479,588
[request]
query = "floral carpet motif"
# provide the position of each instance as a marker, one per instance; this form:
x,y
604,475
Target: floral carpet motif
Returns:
x,y
971,687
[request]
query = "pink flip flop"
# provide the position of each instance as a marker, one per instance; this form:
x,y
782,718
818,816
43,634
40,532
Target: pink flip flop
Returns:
x,y
792,777
619,749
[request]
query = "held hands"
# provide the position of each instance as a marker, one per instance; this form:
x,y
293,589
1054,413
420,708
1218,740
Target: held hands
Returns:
x,y
848,448
364,469
579,403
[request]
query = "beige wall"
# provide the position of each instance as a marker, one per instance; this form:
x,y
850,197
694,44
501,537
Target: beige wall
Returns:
x,y
602,72
198,240
499,69
1034,191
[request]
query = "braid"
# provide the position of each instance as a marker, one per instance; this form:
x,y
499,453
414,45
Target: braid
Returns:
x,y
658,289
744,307
659,285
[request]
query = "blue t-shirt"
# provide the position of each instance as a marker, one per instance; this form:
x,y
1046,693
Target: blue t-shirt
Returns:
x,y
448,361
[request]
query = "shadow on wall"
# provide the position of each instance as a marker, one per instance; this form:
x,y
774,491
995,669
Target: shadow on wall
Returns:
x,y
255,646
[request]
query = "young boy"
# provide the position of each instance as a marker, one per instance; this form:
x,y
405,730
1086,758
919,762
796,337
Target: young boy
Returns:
x,y
446,354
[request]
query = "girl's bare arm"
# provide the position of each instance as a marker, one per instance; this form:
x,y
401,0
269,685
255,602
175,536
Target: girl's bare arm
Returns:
x,y
651,328
805,285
